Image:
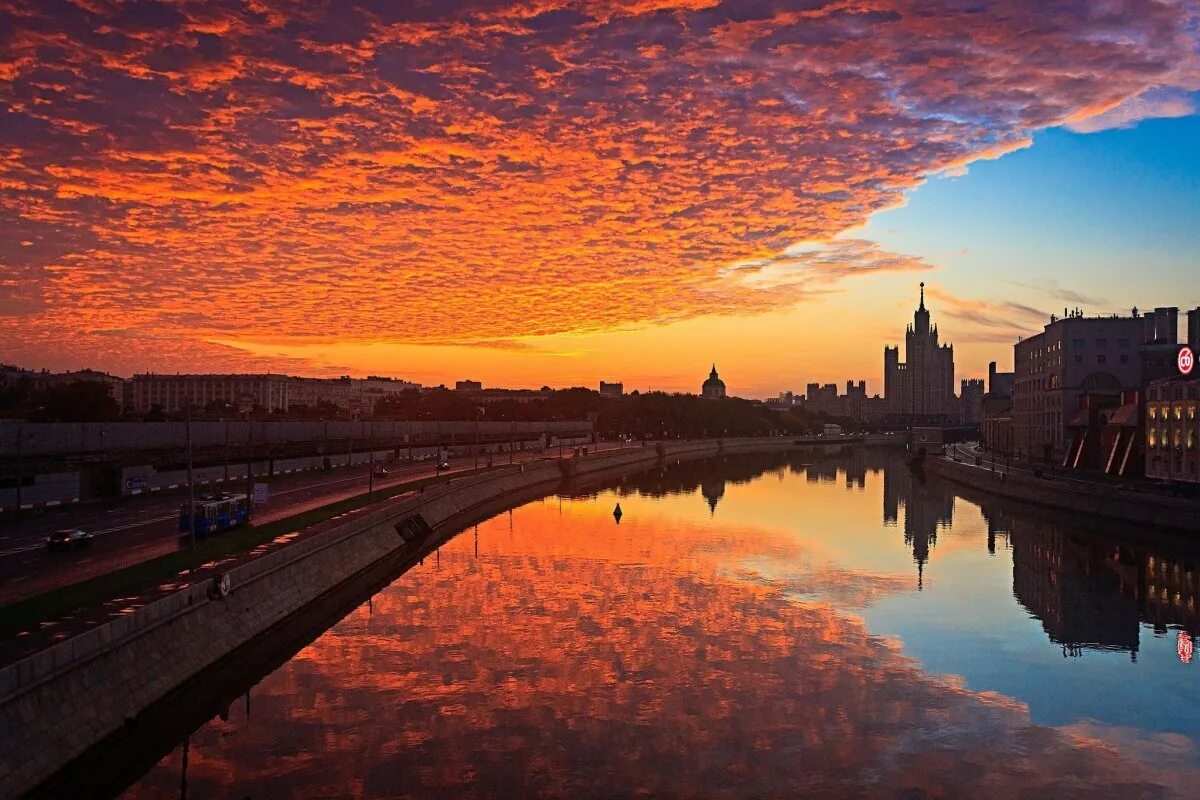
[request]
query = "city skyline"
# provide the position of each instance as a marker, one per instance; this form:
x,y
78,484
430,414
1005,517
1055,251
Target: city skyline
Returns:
x,y
530,195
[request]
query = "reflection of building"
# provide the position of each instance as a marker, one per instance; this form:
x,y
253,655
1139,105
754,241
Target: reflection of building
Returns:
x,y
922,386
713,489
1093,590
714,387
1085,598
1172,593
927,506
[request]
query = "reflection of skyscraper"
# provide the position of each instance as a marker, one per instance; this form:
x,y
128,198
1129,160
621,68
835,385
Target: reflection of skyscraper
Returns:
x,y
713,489
927,506
1078,590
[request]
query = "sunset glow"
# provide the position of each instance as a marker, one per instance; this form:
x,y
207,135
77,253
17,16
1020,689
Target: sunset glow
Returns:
x,y
542,191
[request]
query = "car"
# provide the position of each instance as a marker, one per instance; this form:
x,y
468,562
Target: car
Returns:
x,y
381,472
444,465
69,539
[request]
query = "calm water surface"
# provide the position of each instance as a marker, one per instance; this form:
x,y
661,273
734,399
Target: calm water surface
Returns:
x,y
820,623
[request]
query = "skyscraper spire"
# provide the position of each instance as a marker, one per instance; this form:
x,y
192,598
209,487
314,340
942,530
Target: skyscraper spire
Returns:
x,y
921,317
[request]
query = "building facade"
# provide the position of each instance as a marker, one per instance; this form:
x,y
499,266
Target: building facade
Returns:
x,y
611,389
1071,357
172,393
920,388
970,400
1173,430
243,393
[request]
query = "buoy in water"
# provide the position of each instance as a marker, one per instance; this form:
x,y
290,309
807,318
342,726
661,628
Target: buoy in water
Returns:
x,y
617,513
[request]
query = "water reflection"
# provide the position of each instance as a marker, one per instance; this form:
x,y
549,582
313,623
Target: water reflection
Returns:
x,y
756,626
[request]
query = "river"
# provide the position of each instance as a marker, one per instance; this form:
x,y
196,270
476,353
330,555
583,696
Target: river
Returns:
x,y
822,623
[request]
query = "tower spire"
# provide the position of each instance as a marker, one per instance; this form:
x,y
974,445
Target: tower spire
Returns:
x,y
922,306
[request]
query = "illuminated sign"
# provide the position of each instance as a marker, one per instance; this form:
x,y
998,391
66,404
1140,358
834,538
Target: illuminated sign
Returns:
x,y
1186,361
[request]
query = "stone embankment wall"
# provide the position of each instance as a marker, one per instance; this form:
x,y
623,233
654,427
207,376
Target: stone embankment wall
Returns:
x,y
1105,501
57,703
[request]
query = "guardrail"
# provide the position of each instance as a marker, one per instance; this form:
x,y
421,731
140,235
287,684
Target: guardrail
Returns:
x,y
1113,502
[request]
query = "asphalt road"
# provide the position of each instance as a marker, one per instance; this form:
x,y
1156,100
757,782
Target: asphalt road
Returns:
x,y
141,528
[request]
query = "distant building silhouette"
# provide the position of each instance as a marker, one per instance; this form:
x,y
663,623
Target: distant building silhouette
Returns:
x,y
714,387
921,388
611,389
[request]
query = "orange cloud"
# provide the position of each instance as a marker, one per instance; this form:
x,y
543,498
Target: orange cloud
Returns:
x,y
200,172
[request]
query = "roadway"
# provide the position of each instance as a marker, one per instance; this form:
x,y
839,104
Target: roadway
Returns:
x,y
967,454
133,530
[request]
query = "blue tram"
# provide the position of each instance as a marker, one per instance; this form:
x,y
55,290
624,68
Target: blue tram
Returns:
x,y
216,513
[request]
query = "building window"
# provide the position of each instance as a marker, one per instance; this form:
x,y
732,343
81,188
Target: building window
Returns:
x,y
1102,359
1078,359
1077,343
1153,412
1124,358
1123,344
1178,412
1102,343
1153,438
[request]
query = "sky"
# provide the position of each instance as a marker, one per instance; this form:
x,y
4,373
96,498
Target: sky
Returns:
x,y
560,192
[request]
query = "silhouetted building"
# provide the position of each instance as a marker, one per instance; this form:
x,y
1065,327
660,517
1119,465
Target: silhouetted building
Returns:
x,y
468,386
970,398
921,388
1000,384
714,387
995,412
243,393
611,389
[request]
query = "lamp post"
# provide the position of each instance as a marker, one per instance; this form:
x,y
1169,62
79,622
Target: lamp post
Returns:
x,y
191,483
479,412
20,465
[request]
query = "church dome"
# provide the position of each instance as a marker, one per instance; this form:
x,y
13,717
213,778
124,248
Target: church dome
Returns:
x,y
714,386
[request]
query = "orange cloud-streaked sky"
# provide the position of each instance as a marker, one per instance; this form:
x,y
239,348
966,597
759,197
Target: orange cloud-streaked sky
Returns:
x,y
532,192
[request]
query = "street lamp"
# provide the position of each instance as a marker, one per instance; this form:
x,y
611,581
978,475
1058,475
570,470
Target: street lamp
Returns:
x,y
191,483
479,412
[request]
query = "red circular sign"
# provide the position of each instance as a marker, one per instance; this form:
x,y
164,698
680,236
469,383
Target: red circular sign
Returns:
x,y
1187,360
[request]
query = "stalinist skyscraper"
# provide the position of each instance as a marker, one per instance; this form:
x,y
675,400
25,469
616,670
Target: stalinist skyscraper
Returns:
x,y
921,388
